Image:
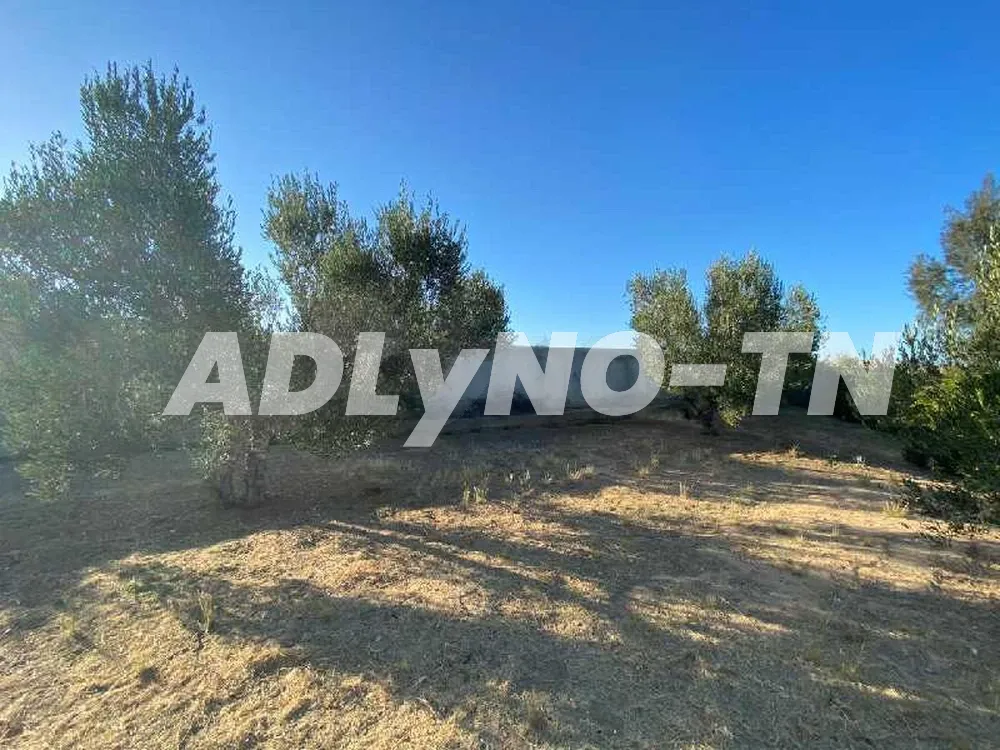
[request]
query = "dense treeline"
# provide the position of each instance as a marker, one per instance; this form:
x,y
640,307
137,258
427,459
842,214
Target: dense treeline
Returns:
x,y
118,254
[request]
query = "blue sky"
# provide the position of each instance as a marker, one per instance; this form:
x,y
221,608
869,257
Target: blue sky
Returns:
x,y
579,143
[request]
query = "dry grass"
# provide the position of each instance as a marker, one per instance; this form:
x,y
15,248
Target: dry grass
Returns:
x,y
539,588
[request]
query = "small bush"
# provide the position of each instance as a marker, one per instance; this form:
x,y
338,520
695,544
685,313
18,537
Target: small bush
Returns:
x,y
231,457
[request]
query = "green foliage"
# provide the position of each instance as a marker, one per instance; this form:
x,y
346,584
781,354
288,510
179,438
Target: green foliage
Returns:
x,y
800,312
742,295
946,287
116,256
406,275
664,307
231,455
953,427
947,404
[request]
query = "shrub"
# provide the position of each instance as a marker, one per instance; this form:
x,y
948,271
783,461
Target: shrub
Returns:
x,y
948,404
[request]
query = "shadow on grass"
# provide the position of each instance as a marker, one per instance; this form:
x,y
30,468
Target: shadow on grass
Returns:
x,y
684,636
159,505
750,654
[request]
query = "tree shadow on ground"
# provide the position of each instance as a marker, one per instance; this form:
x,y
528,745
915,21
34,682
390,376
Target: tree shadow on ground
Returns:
x,y
159,505
690,642
628,631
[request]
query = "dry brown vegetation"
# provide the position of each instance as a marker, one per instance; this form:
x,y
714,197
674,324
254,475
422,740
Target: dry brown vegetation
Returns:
x,y
617,585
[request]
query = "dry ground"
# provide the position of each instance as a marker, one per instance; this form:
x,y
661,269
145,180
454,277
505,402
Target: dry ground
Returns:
x,y
622,585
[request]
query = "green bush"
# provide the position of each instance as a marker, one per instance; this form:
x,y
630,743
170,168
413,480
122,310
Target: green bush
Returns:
x,y
947,403
231,455
952,427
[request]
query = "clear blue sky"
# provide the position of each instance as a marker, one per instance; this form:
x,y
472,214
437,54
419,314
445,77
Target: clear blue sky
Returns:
x,y
578,143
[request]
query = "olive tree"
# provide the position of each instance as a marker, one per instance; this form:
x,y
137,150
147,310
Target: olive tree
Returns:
x,y
116,255
742,295
405,273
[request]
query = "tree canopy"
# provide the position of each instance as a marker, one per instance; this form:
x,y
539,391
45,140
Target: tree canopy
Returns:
x,y
948,400
117,254
406,274
741,295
